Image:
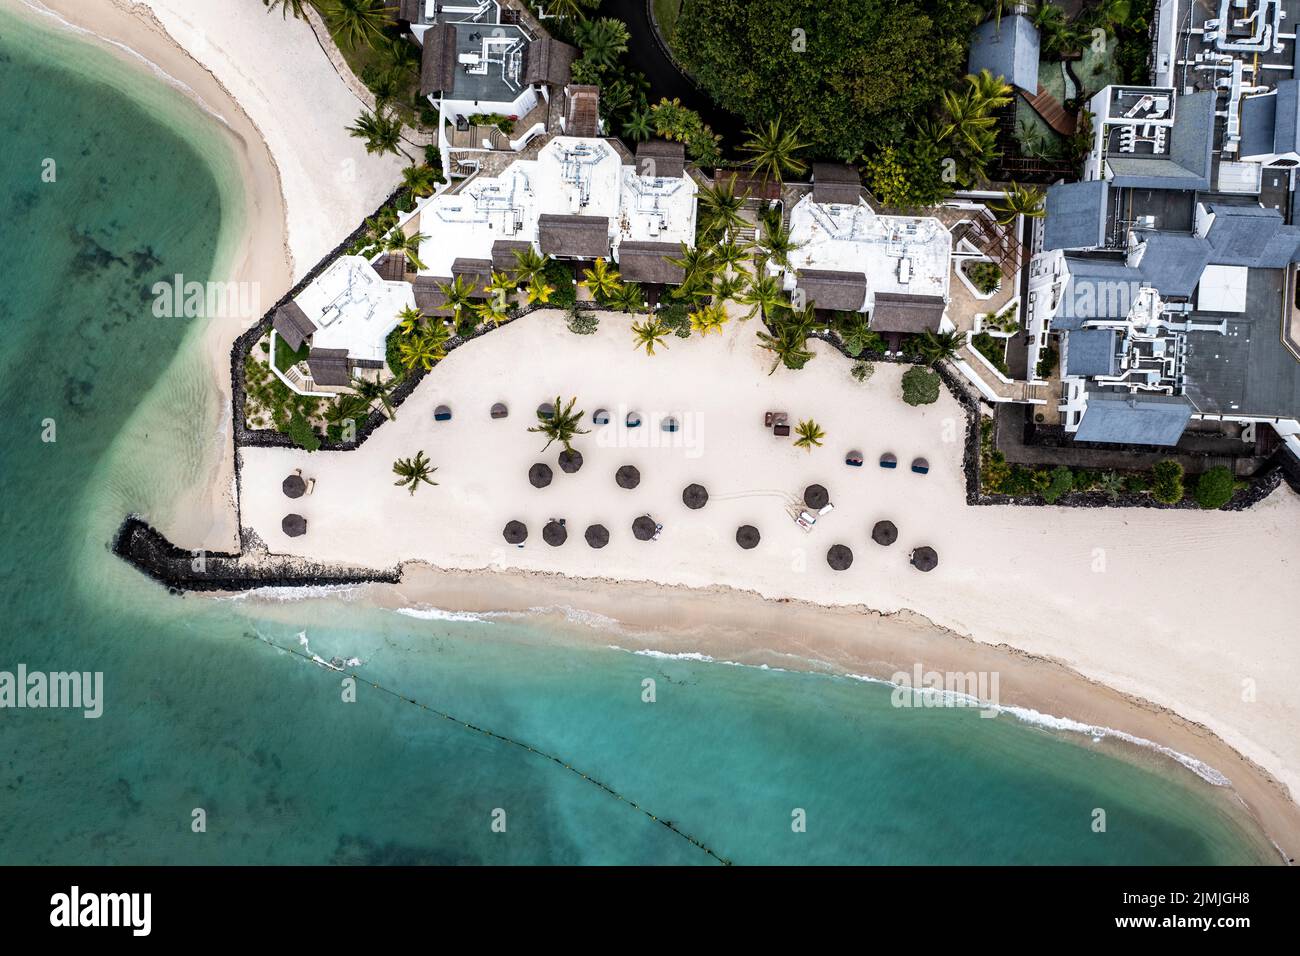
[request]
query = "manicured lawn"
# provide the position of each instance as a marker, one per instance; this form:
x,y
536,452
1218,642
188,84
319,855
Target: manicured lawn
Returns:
x,y
285,357
666,13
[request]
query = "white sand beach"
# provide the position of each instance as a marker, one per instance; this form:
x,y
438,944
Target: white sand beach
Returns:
x,y
307,182
1181,609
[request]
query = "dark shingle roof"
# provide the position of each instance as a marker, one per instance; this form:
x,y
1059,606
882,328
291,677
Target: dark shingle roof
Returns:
x,y
582,117
1076,216
833,289
1133,419
503,253
477,272
580,237
329,366
292,324
549,61
438,61
660,158
906,313
1091,352
647,262
1258,122
391,266
429,297
1173,264
836,183
1008,49
1099,288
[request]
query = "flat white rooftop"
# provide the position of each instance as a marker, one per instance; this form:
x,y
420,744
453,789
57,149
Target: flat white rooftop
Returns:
x,y
353,308
902,255
571,176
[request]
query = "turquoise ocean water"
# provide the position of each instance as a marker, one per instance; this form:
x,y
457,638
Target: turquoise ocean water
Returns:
x,y
201,712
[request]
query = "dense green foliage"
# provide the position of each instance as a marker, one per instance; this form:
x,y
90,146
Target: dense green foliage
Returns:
x,y
852,72
994,349
1214,488
983,275
1167,482
920,386
1061,483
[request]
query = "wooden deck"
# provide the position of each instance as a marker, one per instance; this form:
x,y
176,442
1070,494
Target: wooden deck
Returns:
x,y
1053,113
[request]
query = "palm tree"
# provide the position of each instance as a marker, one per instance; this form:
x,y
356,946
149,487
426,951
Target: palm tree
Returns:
x,y
773,152
709,318
602,41
731,255
788,347
697,262
600,279
410,320
492,310
381,131
421,180
501,286
649,335
1111,484
989,91
372,391
720,208
763,295
411,471
934,349
628,297
286,7
562,425
529,265
1017,201
967,119
421,350
568,9
346,408
637,126
728,288
458,294
409,246
539,291
774,240
356,22
810,435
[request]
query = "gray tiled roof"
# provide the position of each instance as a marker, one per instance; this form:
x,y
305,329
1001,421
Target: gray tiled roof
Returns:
x,y
1251,236
1133,419
1173,264
1100,287
1258,117
1286,127
1091,352
1189,161
1076,216
1008,49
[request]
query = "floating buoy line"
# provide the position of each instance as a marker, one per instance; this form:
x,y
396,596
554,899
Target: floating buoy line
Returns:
x,y
486,732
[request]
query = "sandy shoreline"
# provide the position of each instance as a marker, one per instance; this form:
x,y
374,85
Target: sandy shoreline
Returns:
x,y
306,182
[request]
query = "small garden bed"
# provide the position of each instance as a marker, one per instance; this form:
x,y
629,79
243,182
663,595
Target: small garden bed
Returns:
x,y
994,349
984,276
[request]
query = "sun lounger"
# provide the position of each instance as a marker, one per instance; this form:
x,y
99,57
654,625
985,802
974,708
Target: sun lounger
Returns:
x,y
311,485
781,431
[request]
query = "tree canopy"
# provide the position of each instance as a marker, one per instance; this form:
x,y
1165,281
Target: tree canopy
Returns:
x,y
852,73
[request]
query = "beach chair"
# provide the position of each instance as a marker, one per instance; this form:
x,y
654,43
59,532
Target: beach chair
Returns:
x,y
781,431
442,414
889,460
633,420
853,459
600,416
920,466
311,485
668,425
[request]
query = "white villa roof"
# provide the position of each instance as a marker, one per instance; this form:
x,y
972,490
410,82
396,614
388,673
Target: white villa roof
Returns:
x,y
353,308
900,255
571,176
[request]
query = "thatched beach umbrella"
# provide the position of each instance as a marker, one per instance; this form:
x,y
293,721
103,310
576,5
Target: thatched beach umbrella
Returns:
x,y
516,532
293,486
628,476
600,416
816,497
546,410
644,528
884,533
924,559
554,533
854,459
293,525
839,557
570,461
539,476
597,535
499,410
695,497
747,536
889,460
442,414
920,466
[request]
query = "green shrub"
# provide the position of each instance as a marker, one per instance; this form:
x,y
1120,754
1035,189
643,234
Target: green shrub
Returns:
x,y
1167,482
920,386
1046,362
677,318
1214,488
1061,483
984,276
993,349
303,435
560,275
582,322
862,371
